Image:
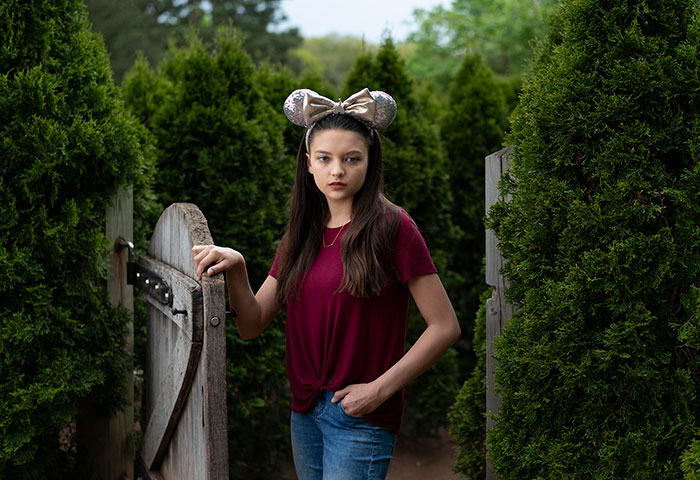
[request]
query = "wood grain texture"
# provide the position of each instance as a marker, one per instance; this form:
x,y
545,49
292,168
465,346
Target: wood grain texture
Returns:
x,y
498,311
191,443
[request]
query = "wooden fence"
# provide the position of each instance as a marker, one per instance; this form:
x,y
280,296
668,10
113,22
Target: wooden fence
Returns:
x,y
498,311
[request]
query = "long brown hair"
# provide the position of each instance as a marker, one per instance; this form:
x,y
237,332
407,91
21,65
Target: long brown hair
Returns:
x,y
367,246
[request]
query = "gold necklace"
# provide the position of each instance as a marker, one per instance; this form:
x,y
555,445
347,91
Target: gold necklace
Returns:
x,y
336,236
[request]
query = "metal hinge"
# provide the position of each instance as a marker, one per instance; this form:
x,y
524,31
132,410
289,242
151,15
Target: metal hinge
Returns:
x,y
147,281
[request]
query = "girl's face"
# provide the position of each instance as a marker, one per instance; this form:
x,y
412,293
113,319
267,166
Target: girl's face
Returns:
x,y
338,160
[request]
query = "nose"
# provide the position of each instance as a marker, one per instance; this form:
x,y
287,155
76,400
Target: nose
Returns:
x,y
337,169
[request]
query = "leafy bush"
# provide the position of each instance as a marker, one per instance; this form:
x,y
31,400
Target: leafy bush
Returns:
x,y
66,145
468,414
221,146
691,462
599,369
471,128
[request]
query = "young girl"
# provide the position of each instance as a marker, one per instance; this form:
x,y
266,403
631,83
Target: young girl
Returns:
x,y
346,265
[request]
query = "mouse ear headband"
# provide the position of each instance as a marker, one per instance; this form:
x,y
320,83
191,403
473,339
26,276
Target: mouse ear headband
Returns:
x,y
305,108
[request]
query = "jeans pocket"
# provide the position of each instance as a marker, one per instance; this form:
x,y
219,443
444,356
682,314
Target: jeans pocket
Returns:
x,y
342,409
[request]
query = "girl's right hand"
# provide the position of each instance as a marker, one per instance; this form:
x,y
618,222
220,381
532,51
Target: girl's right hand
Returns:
x,y
214,259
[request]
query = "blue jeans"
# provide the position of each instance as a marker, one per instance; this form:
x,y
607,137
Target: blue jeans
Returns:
x,y
329,444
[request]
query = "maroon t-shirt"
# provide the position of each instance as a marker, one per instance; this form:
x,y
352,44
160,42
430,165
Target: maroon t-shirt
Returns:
x,y
336,339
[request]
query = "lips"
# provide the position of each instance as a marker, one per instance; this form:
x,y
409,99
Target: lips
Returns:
x,y
337,185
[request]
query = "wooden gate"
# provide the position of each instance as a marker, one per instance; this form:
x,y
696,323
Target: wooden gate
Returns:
x,y
185,378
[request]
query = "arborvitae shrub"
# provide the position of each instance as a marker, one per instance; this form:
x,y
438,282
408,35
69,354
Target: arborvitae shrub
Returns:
x,y
599,370
220,146
468,414
416,179
471,128
690,462
66,145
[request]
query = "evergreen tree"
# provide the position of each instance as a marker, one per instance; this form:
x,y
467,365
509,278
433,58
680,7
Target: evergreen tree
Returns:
x,y
220,146
130,26
468,414
254,18
599,369
471,128
67,145
127,28
417,180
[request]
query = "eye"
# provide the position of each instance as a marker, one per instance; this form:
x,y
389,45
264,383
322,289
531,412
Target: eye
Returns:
x,y
322,158
352,159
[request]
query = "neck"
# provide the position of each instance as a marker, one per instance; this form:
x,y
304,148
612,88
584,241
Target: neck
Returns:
x,y
340,214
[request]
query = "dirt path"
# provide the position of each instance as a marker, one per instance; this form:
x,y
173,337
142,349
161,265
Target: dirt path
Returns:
x,y
426,460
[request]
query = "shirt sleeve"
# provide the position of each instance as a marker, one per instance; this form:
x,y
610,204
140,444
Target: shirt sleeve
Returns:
x,y
273,269
411,253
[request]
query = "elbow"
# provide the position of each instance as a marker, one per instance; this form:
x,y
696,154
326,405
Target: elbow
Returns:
x,y
455,331
246,335
247,332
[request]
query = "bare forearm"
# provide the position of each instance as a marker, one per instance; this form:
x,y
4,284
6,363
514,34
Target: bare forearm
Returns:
x,y
429,347
243,302
254,312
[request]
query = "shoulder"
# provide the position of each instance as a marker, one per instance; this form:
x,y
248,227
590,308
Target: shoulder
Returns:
x,y
407,228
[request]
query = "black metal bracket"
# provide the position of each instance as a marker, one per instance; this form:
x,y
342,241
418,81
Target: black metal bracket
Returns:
x,y
143,278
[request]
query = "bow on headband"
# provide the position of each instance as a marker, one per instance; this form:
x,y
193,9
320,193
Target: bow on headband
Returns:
x,y
305,107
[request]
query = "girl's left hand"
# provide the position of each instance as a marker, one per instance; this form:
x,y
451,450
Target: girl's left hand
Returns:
x,y
358,399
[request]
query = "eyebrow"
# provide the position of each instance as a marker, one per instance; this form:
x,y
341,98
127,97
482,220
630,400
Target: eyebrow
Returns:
x,y
351,152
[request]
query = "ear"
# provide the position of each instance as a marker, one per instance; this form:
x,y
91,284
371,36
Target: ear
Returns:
x,y
308,164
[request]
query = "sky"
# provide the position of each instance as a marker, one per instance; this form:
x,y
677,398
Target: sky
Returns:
x,y
360,18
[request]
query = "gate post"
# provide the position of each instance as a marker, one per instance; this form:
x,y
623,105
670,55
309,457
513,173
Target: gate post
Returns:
x,y
107,439
498,312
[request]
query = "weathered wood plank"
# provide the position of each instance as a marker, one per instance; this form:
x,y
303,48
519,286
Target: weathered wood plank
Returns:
x,y
198,445
215,426
178,337
498,312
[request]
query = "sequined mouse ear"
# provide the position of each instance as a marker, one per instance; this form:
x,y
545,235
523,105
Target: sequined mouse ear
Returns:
x,y
384,110
305,107
294,106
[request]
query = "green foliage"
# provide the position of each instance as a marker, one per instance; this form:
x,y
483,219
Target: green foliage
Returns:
x,y
599,368
416,179
499,30
130,26
254,18
690,462
471,128
221,146
330,57
467,416
66,145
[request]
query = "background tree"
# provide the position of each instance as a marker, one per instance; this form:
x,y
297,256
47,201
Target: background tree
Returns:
x,y
221,146
467,417
599,369
471,128
330,57
416,179
67,144
127,27
499,30
147,25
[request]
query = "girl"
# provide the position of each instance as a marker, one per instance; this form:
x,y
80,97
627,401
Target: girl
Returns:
x,y
345,267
